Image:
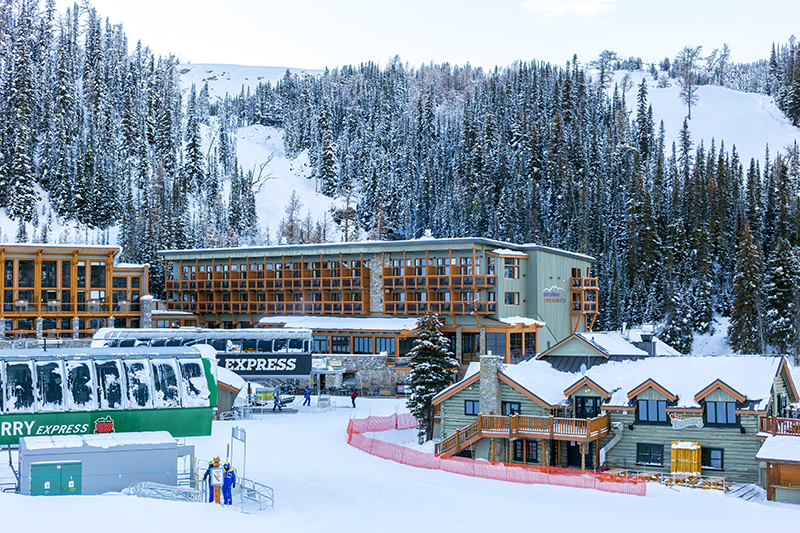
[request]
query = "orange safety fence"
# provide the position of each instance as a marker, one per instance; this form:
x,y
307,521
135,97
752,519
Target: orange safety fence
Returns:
x,y
528,474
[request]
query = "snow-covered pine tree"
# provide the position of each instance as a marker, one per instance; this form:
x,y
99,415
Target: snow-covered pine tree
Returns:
x,y
746,332
432,366
780,299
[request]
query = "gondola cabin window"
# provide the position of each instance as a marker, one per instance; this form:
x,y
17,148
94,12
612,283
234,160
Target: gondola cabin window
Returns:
x,y
193,384
109,385
19,387
80,393
165,379
49,386
139,379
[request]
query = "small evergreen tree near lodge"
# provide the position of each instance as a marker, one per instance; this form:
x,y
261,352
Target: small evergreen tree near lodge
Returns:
x,y
432,365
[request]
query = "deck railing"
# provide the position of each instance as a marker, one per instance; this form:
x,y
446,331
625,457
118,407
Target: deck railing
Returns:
x,y
780,426
543,427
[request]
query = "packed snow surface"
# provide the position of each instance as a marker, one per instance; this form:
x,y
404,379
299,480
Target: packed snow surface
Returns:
x,y
323,484
343,323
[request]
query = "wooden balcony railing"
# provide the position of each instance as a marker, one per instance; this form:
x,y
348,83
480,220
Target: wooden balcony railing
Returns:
x,y
534,427
780,426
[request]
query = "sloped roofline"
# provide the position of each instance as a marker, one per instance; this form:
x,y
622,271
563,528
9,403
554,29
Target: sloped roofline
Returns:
x,y
648,383
719,384
593,346
584,381
461,385
525,392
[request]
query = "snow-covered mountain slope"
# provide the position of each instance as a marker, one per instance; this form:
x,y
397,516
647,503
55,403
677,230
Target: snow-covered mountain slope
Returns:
x,y
749,121
255,145
230,79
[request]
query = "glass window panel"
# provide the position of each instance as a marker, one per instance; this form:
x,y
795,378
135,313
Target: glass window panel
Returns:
x,y
66,273
80,390
194,384
109,384
711,412
98,273
19,387
165,380
49,273
49,382
27,271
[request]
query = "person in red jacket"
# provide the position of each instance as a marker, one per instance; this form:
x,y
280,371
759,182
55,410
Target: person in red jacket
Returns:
x,y
353,397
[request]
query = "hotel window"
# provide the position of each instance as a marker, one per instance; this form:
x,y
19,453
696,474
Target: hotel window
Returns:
x,y
466,266
511,268
472,407
320,344
384,344
26,274
650,454
511,298
9,271
49,273
651,411
711,458
119,282
511,408
98,273
340,344
362,345
490,268
721,413
81,274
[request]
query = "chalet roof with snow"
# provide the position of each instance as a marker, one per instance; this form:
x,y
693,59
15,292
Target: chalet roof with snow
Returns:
x,y
684,381
592,348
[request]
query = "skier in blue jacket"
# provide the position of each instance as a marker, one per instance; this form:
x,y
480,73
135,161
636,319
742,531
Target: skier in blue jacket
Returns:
x,y
207,477
307,395
228,482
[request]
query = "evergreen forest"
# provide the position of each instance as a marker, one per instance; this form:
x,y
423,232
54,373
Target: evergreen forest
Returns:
x,y
531,152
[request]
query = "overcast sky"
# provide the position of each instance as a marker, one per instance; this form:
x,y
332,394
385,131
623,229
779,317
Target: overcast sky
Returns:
x,y
315,34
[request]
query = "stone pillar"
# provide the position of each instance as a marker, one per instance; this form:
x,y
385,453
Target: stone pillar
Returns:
x,y
482,341
76,330
459,346
375,284
490,402
146,307
39,327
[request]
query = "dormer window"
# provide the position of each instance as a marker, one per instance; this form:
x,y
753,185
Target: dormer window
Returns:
x,y
721,413
651,411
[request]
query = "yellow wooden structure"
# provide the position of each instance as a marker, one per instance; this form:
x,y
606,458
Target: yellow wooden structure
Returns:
x,y
685,458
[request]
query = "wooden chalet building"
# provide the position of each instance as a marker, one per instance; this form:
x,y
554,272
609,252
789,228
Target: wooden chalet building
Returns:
x,y
512,299
67,291
598,399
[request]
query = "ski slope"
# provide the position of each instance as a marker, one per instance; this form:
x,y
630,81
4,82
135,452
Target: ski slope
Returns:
x,y
749,121
323,484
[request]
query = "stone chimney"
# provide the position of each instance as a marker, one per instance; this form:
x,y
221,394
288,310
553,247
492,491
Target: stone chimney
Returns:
x,y
490,384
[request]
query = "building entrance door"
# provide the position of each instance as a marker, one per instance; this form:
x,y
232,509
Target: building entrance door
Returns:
x,y
574,455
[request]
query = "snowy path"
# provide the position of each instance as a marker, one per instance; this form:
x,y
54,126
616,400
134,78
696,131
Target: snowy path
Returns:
x,y
322,484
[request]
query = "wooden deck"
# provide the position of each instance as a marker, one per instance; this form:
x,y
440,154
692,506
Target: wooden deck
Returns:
x,y
530,427
780,426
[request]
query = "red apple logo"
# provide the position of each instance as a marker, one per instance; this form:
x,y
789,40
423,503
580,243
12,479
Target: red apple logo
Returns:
x,y
104,425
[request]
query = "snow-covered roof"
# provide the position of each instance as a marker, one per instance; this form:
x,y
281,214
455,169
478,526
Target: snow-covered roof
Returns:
x,y
611,343
342,323
230,378
514,320
685,377
131,265
616,344
103,440
171,312
780,448
508,251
